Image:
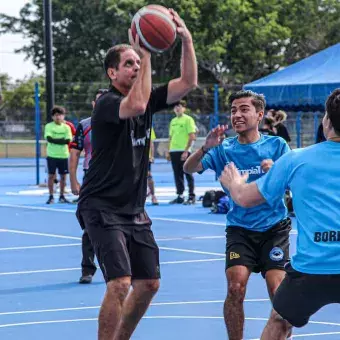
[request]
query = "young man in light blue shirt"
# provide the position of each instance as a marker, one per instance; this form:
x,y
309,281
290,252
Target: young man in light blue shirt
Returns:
x,y
313,175
257,238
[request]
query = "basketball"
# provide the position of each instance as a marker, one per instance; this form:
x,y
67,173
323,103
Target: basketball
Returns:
x,y
155,28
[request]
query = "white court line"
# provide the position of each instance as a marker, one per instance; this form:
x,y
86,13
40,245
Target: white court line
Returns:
x,y
305,335
192,251
39,234
63,245
73,212
175,303
70,269
79,238
153,218
39,247
178,317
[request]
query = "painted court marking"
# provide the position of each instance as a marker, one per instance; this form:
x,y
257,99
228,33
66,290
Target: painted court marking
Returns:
x,y
70,269
39,247
174,303
179,317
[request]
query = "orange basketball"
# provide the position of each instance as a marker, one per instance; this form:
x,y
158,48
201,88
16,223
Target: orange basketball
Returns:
x,y
155,28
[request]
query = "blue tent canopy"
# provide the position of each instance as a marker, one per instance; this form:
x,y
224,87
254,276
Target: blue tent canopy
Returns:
x,y
304,85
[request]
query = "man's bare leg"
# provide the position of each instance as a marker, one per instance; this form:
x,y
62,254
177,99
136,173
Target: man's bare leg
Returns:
x,y
135,306
237,278
276,328
112,305
276,324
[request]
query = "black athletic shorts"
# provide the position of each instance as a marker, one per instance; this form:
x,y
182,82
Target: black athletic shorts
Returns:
x,y
301,295
259,251
57,163
124,245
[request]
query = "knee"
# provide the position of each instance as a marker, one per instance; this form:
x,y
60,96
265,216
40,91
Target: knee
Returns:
x,y
236,290
119,287
150,286
279,322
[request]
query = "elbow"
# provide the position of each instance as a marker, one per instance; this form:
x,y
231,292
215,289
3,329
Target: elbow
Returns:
x,y
244,202
139,109
186,169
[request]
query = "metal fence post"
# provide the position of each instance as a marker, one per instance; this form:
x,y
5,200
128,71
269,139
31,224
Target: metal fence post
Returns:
x,y
316,125
37,131
298,130
216,113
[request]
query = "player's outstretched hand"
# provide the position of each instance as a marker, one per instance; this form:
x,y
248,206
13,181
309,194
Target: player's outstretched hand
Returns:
x,y
182,29
142,52
230,175
215,136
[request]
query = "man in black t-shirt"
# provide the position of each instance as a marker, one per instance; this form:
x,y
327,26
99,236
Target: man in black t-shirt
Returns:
x,y
113,194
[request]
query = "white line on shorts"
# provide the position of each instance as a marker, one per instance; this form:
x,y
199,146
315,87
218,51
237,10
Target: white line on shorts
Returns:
x,y
174,303
70,269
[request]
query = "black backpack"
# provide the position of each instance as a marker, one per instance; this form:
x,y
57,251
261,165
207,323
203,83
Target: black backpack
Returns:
x,y
212,197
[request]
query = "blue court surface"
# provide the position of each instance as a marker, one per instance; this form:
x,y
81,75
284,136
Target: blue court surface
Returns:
x,y
40,258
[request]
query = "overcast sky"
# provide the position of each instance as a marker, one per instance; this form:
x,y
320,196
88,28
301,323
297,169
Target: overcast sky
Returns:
x,y
10,62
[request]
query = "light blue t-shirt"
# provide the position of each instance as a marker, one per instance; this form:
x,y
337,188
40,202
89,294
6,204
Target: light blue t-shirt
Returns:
x,y
313,176
248,158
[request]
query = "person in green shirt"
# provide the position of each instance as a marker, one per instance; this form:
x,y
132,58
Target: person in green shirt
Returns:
x,y
182,133
151,183
58,136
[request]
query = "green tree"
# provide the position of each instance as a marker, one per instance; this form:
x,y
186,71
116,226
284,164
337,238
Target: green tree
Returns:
x,y
18,98
236,40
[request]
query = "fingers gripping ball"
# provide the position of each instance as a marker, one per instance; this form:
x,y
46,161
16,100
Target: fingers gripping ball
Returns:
x,y
155,28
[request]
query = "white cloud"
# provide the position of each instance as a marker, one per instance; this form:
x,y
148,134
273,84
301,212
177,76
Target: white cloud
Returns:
x,y
12,63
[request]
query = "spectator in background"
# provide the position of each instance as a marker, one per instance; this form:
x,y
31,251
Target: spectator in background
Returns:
x,y
280,130
82,141
151,183
182,134
58,136
268,127
320,137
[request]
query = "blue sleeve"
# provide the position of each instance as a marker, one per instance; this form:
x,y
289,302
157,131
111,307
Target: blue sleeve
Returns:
x,y
273,185
284,147
208,161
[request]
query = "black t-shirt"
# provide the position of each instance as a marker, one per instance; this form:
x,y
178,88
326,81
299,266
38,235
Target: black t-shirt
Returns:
x,y
282,132
117,176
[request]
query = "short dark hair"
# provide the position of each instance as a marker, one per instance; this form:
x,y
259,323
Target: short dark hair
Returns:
x,y
258,100
268,121
112,57
182,102
333,110
100,91
58,110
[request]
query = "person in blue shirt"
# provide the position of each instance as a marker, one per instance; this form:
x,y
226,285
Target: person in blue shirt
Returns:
x,y
312,174
257,238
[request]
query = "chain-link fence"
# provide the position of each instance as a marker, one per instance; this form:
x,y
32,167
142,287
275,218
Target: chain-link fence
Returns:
x,y
17,137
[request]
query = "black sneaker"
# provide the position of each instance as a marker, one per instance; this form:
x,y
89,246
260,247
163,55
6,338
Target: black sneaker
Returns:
x,y
190,200
85,279
178,200
50,200
62,199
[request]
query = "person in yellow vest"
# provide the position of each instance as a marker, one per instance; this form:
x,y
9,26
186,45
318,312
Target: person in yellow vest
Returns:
x,y
58,136
151,183
182,134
